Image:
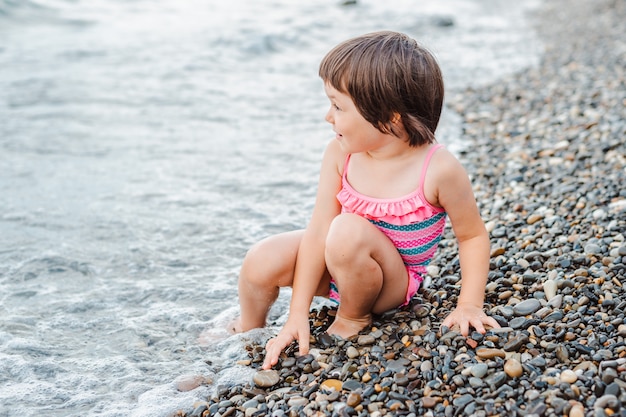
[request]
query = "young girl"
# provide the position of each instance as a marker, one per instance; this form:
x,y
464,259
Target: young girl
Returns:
x,y
384,192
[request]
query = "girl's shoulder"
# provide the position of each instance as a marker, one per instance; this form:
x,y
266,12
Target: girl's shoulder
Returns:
x,y
444,163
444,175
335,156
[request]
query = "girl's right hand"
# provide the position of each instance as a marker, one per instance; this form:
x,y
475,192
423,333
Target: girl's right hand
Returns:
x,y
294,329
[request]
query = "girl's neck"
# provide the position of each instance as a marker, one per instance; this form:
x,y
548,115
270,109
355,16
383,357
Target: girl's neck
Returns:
x,y
394,151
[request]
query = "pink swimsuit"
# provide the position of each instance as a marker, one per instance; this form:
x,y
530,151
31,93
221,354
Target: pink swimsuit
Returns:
x,y
414,225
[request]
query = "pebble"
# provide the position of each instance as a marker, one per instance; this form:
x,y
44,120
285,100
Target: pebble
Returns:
x,y
513,368
549,288
366,339
556,215
526,307
577,410
569,376
332,384
190,382
490,353
352,352
267,378
479,370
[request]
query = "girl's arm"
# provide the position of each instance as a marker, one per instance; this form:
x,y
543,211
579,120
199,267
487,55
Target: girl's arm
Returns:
x,y
310,264
454,193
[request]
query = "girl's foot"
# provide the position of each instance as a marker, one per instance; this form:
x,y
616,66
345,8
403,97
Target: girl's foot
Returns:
x,y
345,328
234,326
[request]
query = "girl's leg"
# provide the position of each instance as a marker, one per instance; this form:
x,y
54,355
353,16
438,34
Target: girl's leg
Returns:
x,y
369,272
268,266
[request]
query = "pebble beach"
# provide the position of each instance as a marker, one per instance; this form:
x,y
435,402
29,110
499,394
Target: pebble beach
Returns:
x,y
546,152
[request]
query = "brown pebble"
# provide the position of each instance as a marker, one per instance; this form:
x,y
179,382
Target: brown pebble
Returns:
x,y
490,353
569,336
505,295
513,368
497,252
354,399
577,410
331,384
424,353
430,402
389,355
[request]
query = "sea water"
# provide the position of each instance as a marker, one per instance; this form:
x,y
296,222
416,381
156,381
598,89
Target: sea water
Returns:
x,y
144,146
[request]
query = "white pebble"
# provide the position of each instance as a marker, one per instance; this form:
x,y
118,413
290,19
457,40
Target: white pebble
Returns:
x,y
549,288
569,376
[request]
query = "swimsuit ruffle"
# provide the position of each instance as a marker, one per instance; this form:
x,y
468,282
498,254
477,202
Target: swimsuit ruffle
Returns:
x,y
398,212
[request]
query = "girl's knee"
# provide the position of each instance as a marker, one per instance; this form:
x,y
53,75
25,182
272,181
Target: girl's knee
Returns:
x,y
267,264
346,237
256,266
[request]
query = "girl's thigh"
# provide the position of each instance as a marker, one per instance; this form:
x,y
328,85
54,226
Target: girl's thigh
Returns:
x,y
275,257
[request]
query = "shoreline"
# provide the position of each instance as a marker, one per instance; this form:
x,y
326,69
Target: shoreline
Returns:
x,y
546,152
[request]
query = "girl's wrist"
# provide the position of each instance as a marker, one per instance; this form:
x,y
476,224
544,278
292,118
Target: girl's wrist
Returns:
x,y
461,303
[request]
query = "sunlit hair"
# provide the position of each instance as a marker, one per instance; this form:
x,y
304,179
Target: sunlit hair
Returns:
x,y
386,74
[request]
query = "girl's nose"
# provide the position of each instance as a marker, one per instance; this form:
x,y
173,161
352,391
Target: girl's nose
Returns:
x,y
329,116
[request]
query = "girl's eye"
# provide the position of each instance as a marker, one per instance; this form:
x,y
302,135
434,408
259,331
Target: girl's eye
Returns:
x,y
336,107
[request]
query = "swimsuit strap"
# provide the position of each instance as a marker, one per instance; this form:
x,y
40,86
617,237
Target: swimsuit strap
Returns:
x,y
429,155
345,167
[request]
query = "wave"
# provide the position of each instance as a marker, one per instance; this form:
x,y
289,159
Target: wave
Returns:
x,y
39,11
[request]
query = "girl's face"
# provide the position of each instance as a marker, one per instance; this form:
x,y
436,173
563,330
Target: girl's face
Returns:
x,y
354,133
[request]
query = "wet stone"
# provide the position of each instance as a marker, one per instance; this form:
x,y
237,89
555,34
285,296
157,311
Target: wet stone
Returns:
x,y
288,362
554,316
490,353
430,402
513,368
527,307
496,380
398,365
266,379
515,343
550,288
607,401
562,354
401,379
421,310
538,361
331,384
476,382
613,389
366,340
479,370
354,399
297,401
463,400
568,376
519,323
351,385
352,352
325,340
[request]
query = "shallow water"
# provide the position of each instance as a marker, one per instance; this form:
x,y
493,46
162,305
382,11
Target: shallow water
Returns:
x,y
145,146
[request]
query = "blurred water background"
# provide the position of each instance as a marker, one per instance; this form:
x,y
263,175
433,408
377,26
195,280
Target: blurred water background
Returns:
x,y
144,146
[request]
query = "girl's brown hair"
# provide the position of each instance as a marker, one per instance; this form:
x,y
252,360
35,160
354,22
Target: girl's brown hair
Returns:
x,y
388,74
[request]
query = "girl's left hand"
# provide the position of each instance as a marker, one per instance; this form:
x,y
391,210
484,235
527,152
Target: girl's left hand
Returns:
x,y
466,315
